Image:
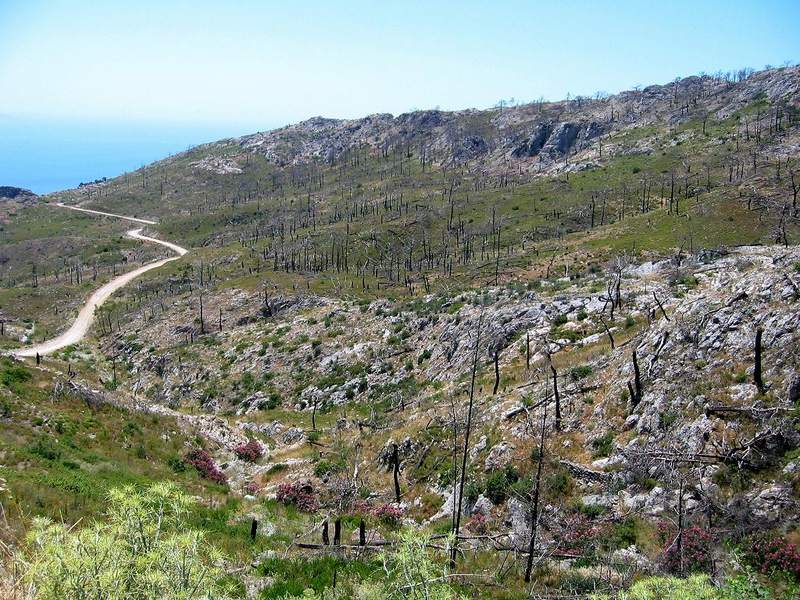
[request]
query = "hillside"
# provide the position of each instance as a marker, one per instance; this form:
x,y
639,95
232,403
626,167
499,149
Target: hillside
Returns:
x,y
592,303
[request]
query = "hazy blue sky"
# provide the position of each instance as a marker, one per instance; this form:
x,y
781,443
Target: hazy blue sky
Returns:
x,y
213,68
251,62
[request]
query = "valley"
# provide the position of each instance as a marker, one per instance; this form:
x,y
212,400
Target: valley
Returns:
x,y
545,351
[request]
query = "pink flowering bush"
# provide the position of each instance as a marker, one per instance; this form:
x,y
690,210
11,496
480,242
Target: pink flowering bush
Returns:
x,y
252,488
775,554
301,495
361,508
388,514
580,532
251,451
478,524
205,465
697,543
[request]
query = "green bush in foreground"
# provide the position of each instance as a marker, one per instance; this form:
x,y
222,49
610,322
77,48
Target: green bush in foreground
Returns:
x,y
142,550
697,587
411,574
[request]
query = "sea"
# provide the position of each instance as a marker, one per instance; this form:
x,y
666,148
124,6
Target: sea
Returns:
x,y
47,155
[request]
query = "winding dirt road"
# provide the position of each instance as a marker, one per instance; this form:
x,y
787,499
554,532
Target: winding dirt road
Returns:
x,y
85,317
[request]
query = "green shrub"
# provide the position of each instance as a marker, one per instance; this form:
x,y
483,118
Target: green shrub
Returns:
x,y
45,448
142,550
581,372
327,467
623,534
14,376
176,464
499,483
559,483
697,587
603,446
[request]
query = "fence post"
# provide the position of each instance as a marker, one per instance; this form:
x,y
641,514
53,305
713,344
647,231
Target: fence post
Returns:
x,y
253,529
337,532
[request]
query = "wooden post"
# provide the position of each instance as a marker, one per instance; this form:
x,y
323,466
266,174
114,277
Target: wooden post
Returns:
x,y
253,529
337,532
362,533
325,539
38,358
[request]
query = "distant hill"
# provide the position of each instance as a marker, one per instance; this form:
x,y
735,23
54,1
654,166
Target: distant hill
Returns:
x,y
15,193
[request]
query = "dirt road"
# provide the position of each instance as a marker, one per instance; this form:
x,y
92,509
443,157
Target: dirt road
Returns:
x,y
83,322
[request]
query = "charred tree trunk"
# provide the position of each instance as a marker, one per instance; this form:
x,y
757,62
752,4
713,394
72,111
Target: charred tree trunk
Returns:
x,y
325,539
636,389
396,472
757,366
557,397
253,529
535,507
528,350
459,496
496,372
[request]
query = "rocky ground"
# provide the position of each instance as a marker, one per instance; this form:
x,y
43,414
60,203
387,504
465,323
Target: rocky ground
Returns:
x,y
699,422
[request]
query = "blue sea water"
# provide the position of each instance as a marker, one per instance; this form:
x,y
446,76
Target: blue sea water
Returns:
x,y
49,155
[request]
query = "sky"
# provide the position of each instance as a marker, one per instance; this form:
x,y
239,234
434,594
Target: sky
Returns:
x,y
181,72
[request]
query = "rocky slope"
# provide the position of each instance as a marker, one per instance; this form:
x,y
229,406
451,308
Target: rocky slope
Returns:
x,y
613,269
544,136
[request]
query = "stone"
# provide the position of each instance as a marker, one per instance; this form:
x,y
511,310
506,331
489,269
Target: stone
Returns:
x,y
632,557
499,456
772,503
482,506
479,447
293,436
517,518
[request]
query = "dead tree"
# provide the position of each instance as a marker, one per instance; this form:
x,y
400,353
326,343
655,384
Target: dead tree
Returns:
x,y
661,306
635,390
608,332
202,326
535,508
528,350
496,372
459,496
557,397
396,472
757,366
